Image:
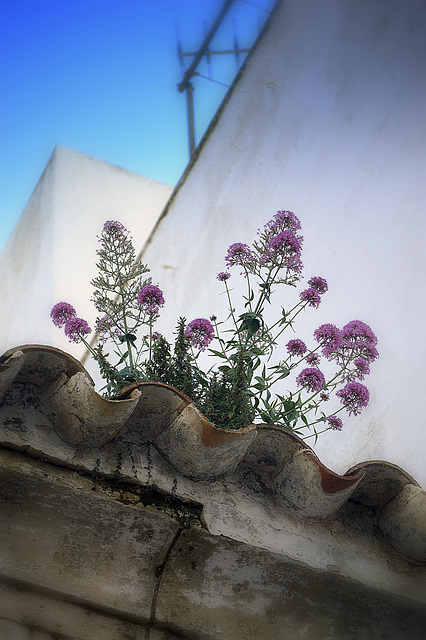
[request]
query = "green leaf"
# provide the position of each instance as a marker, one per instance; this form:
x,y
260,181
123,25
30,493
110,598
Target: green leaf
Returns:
x,y
224,368
251,325
219,354
123,358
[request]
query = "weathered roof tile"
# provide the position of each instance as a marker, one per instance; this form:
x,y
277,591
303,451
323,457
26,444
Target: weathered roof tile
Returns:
x,y
268,462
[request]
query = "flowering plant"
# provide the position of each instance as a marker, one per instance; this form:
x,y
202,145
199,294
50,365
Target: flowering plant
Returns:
x,y
237,389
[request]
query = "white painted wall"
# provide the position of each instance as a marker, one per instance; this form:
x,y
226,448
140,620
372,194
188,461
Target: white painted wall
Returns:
x,y
328,119
51,254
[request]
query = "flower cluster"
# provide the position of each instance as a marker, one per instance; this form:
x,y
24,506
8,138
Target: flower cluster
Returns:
x,y
151,298
358,340
112,227
330,339
335,423
318,284
278,247
64,315
76,328
282,221
200,333
238,391
61,313
313,359
296,347
239,254
311,379
354,396
283,250
311,297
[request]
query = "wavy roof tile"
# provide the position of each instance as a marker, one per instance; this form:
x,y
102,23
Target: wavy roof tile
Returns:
x,y
46,387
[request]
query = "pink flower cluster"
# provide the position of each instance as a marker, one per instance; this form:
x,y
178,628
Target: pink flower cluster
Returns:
x,y
151,298
296,347
238,254
312,295
311,379
64,315
200,333
354,396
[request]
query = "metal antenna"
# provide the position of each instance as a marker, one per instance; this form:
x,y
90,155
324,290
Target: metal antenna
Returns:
x,y
189,101
186,84
207,50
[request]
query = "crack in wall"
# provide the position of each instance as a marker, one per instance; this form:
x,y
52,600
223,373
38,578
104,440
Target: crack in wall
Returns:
x,y
160,571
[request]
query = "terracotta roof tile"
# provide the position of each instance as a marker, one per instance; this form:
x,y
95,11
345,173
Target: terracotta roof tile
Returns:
x,y
268,462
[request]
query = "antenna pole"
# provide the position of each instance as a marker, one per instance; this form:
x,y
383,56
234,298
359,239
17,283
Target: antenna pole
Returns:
x,y
209,37
190,113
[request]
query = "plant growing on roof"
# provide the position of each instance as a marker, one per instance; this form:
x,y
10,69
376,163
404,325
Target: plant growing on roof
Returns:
x,y
239,387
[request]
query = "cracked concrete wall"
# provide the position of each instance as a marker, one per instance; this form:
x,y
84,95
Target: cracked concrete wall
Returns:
x,y
81,557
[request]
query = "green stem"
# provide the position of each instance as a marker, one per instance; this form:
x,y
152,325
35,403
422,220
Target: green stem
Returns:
x,y
232,314
311,435
221,343
126,330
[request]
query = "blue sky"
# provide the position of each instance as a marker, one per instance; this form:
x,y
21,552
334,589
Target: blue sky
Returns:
x,y
100,77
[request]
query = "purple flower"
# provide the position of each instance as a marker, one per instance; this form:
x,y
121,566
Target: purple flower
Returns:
x,y
200,333
329,337
368,352
76,328
324,396
358,330
313,359
223,275
156,336
285,247
359,340
362,368
311,296
151,298
354,396
282,221
285,243
61,313
103,327
114,228
335,423
311,379
319,284
296,347
239,254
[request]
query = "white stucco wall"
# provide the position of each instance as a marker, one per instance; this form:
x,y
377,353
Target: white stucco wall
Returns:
x,y
51,254
327,120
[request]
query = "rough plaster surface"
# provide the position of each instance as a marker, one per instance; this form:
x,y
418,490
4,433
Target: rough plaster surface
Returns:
x,y
90,544
327,119
82,557
234,591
